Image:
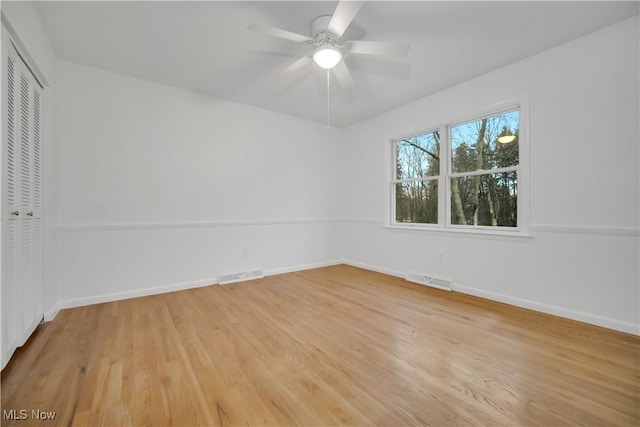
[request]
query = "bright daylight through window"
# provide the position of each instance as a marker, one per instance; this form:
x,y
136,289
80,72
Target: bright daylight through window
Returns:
x,y
461,176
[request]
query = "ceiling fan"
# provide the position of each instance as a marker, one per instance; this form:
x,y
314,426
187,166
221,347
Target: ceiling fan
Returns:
x,y
329,48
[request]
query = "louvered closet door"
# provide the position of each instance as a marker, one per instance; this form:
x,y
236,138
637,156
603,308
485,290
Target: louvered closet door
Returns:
x,y
21,214
11,335
29,221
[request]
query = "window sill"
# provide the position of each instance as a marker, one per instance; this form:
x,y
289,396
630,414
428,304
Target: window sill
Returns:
x,y
477,233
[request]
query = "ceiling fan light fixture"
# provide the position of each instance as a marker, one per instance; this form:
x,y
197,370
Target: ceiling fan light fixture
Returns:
x,y
327,56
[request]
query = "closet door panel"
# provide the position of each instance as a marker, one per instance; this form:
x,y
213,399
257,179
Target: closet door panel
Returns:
x,y
36,207
28,188
22,305
11,322
11,291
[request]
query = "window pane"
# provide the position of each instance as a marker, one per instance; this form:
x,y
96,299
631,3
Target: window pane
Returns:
x,y
417,202
487,200
418,156
485,144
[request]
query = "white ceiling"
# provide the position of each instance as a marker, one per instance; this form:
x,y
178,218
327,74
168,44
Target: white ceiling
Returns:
x,y
206,47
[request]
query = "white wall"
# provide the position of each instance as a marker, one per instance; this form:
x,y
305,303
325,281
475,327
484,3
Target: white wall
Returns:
x,y
161,187
25,23
154,188
582,261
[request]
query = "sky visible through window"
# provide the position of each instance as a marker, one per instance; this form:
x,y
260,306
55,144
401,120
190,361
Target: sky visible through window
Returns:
x,y
465,140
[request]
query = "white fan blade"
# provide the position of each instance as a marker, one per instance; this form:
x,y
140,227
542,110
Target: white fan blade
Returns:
x,y
278,32
299,64
342,17
377,48
343,75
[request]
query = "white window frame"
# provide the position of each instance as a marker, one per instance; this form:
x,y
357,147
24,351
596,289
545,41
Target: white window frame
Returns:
x,y
395,181
444,178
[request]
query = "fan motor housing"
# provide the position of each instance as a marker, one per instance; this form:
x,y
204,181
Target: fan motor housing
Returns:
x,y
320,25
320,33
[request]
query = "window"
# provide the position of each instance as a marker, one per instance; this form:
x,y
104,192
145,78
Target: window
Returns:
x,y
417,178
463,176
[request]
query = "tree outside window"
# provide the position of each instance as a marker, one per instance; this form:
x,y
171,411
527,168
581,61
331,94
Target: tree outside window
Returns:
x,y
477,163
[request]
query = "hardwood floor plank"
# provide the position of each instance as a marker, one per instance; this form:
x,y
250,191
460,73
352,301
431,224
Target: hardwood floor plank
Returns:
x,y
330,346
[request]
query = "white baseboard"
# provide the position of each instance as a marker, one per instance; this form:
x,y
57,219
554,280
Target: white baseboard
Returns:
x,y
568,313
51,314
117,296
377,269
494,296
275,271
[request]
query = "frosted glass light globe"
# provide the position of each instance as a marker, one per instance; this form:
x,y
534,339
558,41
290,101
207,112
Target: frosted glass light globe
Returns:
x,y
327,57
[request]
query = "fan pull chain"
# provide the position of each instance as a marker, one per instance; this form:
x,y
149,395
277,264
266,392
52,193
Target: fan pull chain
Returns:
x,y
328,80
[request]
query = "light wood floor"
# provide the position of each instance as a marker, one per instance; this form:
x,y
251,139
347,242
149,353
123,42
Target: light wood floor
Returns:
x,y
330,346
